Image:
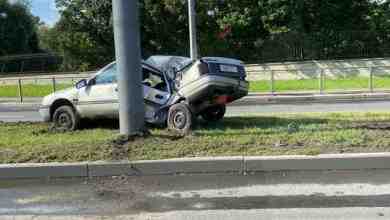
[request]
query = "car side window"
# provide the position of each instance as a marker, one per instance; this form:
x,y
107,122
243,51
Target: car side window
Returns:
x,y
108,76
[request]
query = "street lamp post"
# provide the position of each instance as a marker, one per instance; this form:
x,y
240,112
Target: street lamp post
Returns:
x,y
128,57
192,29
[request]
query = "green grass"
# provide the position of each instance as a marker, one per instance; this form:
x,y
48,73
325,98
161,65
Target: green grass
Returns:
x,y
29,90
303,134
313,84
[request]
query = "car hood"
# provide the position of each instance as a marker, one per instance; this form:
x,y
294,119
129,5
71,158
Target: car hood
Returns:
x,y
68,94
65,92
165,63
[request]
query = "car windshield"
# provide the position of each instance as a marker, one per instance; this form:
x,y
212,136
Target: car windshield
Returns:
x,y
164,63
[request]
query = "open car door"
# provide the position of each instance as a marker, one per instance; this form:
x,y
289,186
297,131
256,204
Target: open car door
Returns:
x,y
157,92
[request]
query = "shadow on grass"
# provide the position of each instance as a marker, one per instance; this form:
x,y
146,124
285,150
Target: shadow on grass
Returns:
x,y
240,124
88,124
261,122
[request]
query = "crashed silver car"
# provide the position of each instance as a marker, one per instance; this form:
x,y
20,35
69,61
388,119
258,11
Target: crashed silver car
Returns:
x,y
176,91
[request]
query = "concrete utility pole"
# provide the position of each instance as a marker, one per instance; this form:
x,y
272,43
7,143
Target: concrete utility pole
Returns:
x,y
128,57
192,25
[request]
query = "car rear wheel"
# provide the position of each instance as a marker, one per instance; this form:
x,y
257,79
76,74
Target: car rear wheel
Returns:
x,y
65,119
180,119
214,113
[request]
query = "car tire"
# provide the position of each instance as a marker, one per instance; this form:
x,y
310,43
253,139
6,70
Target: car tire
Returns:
x,y
214,113
180,119
65,119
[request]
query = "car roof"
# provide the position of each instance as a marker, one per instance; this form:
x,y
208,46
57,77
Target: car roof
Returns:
x,y
143,63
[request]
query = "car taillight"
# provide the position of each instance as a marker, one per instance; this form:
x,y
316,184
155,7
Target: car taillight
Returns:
x,y
224,99
203,68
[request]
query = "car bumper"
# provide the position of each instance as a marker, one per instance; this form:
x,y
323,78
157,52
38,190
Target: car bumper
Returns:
x,y
45,113
209,86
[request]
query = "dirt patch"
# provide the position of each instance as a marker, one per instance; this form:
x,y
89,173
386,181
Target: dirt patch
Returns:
x,y
120,145
126,192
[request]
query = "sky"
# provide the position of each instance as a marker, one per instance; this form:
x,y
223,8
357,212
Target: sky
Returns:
x,y
46,10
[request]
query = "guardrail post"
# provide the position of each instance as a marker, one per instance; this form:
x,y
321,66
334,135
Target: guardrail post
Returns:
x,y
54,84
272,82
371,80
321,81
22,67
20,90
2,68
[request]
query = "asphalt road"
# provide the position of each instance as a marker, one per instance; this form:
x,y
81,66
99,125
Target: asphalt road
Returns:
x,y
19,113
28,112
277,195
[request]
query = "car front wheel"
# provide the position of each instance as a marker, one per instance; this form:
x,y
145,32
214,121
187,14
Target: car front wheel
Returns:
x,y
65,119
180,119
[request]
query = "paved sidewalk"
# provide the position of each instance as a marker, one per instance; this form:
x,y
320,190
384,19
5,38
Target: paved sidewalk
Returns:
x,y
263,99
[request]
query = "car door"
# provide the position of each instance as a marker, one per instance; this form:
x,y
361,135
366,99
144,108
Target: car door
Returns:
x,y
98,98
156,91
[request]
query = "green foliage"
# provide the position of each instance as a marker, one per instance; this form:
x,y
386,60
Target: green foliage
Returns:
x,y
18,28
250,30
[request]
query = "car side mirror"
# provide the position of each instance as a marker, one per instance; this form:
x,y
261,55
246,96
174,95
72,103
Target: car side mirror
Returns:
x,y
91,82
81,84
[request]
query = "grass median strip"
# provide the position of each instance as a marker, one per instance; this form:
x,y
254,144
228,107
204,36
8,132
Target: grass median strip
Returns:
x,y
304,134
351,83
30,90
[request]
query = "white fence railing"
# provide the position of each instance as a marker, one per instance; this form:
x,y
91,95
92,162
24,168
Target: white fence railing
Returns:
x,y
371,79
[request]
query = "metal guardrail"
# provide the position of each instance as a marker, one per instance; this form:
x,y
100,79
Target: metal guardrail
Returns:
x,y
321,76
319,73
53,81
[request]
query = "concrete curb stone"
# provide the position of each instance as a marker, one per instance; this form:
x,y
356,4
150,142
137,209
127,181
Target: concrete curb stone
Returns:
x,y
210,165
101,169
14,171
190,165
287,99
322,162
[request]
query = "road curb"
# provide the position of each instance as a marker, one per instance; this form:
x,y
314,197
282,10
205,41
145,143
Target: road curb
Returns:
x,y
321,162
235,165
100,169
31,171
287,99
190,165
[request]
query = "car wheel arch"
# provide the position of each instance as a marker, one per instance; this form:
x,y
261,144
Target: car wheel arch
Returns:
x,y
58,103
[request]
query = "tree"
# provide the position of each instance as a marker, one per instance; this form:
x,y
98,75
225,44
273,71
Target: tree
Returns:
x,y
18,29
164,27
251,30
326,28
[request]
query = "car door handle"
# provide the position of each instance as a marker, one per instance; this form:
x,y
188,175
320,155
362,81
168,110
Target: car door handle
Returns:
x,y
116,89
159,97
